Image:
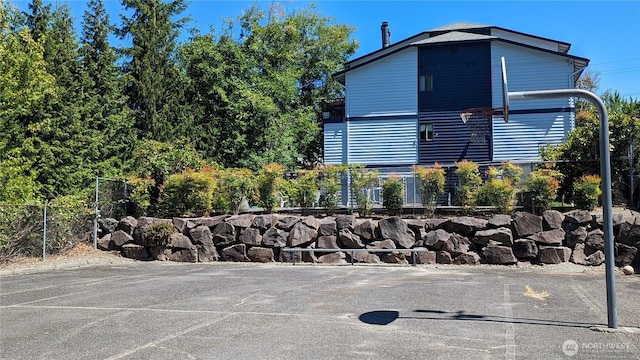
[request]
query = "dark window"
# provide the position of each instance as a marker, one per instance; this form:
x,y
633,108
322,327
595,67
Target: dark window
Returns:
x,y
426,83
426,132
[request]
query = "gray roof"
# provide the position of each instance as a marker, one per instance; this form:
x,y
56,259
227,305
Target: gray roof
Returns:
x,y
459,26
453,36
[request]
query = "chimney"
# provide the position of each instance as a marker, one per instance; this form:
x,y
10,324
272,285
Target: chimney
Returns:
x,y
385,34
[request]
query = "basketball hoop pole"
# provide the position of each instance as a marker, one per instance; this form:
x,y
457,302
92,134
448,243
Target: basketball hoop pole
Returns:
x,y
605,173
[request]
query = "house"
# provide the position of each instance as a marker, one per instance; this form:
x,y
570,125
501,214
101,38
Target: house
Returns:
x,y
403,102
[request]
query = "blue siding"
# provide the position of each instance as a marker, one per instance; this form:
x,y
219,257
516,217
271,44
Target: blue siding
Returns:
x,y
529,129
384,87
335,143
452,139
383,141
461,76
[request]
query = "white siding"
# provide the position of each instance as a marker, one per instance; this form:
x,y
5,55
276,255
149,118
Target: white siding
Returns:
x,y
335,143
387,86
524,39
528,69
383,142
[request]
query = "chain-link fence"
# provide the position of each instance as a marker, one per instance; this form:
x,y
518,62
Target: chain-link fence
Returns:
x,y
40,230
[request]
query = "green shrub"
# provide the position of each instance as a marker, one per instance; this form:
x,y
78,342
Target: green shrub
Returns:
x,y
392,191
511,173
586,191
470,180
269,178
306,185
431,185
187,194
238,185
138,196
159,234
362,181
497,192
542,186
330,186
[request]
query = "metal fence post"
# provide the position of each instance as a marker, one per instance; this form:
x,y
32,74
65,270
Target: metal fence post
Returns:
x,y
44,233
95,216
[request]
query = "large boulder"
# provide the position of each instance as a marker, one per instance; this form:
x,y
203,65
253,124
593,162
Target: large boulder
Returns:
x,y
333,258
629,233
552,219
525,249
135,251
274,238
183,225
366,230
502,235
328,227
382,244
224,234
107,225
393,228
443,257
349,240
207,252
581,255
241,221
260,254
290,256
554,254
426,257
127,224
301,235
181,255
210,222
500,255
595,240
251,236
625,255
456,245
327,242
416,224
575,236
436,239
345,222
469,258
436,223
119,238
365,257
499,221
286,223
236,253
550,238
581,217
264,222
465,225
179,241
526,224
201,235
105,244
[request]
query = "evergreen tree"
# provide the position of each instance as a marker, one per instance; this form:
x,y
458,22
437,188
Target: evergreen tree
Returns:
x,y
154,84
105,109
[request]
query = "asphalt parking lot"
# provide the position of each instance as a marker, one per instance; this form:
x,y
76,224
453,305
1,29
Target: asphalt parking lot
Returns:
x,y
159,310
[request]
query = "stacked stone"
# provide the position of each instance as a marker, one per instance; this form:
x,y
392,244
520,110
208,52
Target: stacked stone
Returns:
x,y
552,238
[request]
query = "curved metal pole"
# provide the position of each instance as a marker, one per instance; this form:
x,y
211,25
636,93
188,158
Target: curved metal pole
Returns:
x,y
605,174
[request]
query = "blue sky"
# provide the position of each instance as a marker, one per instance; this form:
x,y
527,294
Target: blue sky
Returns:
x,y
606,32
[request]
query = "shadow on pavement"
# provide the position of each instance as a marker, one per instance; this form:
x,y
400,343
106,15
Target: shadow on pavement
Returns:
x,y
385,317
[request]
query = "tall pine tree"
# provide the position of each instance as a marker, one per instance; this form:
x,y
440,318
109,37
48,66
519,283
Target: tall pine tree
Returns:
x,y
155,86
105,109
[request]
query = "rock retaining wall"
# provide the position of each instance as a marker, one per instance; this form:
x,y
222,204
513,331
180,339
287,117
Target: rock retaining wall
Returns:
x,y
552,238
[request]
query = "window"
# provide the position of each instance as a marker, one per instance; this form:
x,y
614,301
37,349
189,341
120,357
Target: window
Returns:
x,y
426,83
426,132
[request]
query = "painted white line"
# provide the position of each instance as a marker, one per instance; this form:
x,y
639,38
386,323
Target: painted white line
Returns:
x,y
510,349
